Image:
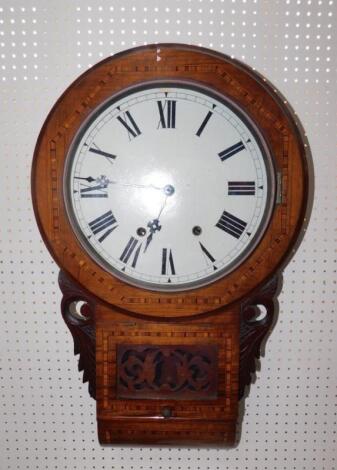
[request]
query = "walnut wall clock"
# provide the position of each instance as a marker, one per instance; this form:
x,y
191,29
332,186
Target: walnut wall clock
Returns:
x,y
170,184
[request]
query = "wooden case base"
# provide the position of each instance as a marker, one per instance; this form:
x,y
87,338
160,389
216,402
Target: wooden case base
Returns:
x,y
167,432
166,382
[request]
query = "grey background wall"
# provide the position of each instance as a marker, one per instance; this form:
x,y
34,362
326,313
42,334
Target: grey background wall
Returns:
x,y
47,417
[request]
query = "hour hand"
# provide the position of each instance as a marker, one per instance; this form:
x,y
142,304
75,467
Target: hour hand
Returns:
x,y
102,180
90,179
154,226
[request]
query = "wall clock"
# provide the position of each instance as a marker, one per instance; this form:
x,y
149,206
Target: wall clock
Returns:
x,y
170,184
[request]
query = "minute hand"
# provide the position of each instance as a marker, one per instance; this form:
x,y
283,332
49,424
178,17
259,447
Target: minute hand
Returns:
x,y
134,185
103,182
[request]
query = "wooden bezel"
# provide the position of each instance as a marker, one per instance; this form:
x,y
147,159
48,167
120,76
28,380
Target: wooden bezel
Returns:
x,y
233,80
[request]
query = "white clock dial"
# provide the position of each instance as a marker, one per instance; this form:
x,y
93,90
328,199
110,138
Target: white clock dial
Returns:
x,y
169,186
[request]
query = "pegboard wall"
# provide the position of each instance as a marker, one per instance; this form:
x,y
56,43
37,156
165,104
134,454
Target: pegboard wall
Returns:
x,y
48,420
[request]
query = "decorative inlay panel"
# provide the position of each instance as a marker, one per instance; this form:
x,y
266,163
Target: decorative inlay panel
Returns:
x,y
174,372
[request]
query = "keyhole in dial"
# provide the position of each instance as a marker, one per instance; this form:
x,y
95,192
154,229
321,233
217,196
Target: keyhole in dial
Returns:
x,y
141,231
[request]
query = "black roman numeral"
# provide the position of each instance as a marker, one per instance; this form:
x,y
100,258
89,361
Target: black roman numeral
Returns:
x,y
203,124
167,262
103,222
231,224
130,125
230,151
241,188
97,151
207,253
167,113
94,191
129,249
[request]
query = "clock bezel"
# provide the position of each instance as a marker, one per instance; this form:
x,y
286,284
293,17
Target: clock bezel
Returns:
x,y
242,116
251,91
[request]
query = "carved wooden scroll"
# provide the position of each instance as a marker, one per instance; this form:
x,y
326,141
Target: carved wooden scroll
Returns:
x,y
253,331
78,313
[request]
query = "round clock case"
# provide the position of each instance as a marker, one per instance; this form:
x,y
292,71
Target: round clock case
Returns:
x,y
158,197
170,184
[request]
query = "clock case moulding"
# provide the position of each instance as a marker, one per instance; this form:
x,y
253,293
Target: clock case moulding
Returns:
x,y
218,327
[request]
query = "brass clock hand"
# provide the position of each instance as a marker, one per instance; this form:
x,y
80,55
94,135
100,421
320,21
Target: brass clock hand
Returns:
x,y
154,224
90,179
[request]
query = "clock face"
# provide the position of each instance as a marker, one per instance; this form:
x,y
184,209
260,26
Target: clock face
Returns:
x,y
169,186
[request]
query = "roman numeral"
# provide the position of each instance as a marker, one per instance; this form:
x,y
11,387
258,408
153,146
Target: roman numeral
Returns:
x,y
203,124
167,262
94,191
97,151
130,125
241,188
231,224
207,253
230,151
167,113
105,223
129,249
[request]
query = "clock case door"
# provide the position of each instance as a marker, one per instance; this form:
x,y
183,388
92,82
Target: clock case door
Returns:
x,y
121,327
